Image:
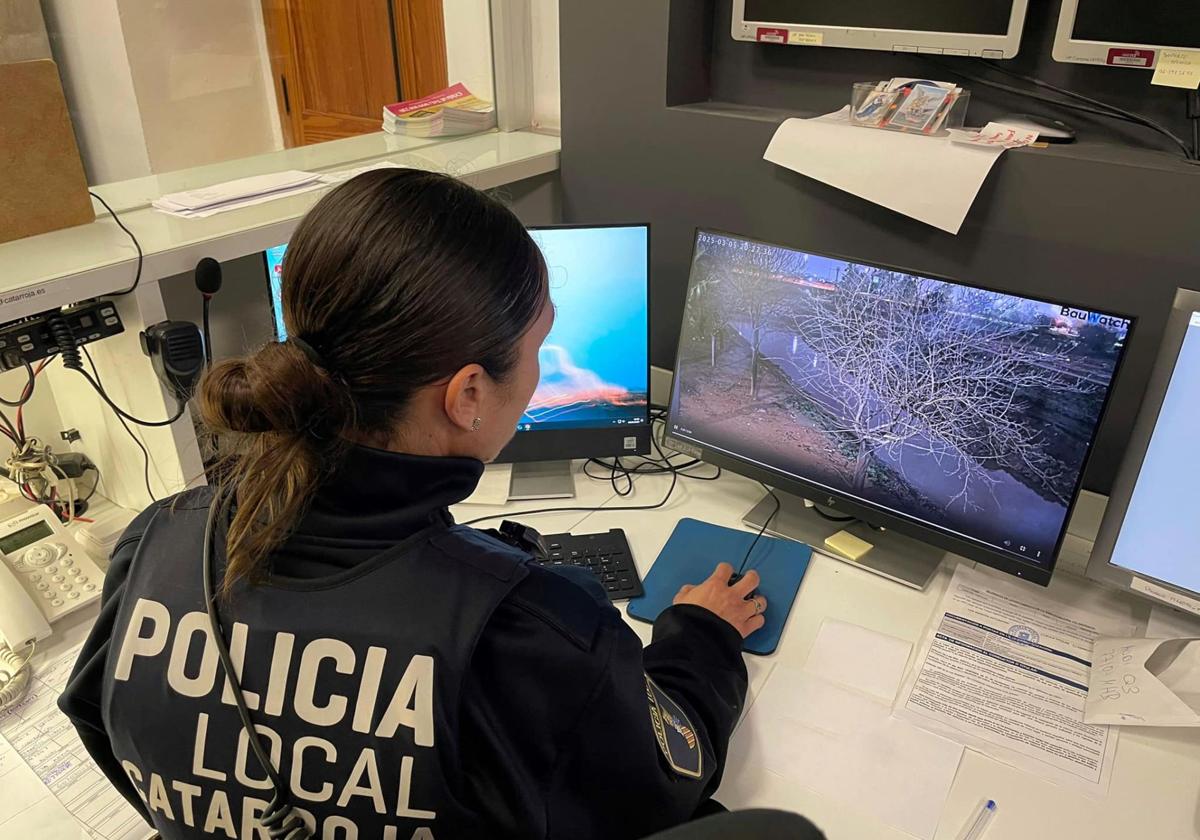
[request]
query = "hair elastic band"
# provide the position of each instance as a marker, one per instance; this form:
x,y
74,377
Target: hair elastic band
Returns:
x,y
316,358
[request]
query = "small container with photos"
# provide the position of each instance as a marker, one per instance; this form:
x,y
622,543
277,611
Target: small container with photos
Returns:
x,y
915,106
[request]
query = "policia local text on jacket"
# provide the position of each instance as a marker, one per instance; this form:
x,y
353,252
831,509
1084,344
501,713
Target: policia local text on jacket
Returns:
x,y
411,678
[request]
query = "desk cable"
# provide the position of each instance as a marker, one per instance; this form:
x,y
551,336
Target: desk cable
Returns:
x,y
1085,104
137,275
662,465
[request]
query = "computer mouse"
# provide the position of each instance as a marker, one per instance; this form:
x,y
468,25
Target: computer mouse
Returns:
x,y
735,577
1049,130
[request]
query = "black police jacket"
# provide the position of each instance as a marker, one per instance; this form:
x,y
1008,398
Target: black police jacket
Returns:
x,y
410,678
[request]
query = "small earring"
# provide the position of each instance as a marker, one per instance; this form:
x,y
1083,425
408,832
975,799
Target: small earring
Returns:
x,y
475,424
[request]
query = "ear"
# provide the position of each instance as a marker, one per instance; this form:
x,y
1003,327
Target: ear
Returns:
x,y
466,395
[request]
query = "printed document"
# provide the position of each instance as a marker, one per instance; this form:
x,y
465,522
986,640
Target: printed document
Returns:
x,y
51,787
1004,669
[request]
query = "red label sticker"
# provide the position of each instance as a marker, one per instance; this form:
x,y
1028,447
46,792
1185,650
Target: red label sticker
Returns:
x,y
1131,58
771,36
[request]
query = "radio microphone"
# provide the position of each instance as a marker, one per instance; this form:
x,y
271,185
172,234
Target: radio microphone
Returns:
x,y
208,283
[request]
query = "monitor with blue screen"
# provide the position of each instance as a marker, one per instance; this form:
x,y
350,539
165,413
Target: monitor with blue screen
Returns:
x,y
593,396
1147,541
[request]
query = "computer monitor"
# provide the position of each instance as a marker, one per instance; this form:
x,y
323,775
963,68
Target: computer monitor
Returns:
x,y
983,28
1123,34
593,399
1148,537
955,417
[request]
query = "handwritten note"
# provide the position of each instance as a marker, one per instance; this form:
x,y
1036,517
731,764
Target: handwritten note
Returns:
x,y
1145,682
995,134
42,759
1178,68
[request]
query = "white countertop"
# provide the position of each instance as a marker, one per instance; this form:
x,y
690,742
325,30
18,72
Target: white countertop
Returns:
x,y
61,267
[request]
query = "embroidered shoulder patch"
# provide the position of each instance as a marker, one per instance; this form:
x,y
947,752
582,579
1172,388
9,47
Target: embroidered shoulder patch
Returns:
x,y
676,738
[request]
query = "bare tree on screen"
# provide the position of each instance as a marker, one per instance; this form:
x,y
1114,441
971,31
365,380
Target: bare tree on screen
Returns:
x,y
756,282
705,311
901,363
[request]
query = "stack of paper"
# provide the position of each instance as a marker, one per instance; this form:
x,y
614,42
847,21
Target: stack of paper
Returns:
x,y
232,195
454,110
51,787
830,729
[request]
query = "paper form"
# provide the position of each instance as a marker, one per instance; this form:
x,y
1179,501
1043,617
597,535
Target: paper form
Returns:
x,y
1004,669
42,761
858,658
846,745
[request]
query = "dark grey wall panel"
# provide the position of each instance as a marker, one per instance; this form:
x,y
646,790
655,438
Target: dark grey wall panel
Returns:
x,y
1099,223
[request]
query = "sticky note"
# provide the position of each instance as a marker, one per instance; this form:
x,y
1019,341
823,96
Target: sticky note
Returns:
x,y
848,545
811,39
1177,68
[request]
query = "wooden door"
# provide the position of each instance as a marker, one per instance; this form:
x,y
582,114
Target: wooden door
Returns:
x,y
336,63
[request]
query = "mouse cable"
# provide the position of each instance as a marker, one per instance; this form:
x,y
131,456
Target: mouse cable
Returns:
x,y
137,275
1085,104
766,524
1098,103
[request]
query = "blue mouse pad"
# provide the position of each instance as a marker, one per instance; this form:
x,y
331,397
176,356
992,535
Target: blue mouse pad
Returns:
x,y
694,550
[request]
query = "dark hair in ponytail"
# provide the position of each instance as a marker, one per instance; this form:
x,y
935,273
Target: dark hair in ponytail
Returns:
x,y
395,280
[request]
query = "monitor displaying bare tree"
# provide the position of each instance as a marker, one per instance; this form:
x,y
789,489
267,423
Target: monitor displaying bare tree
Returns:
x,y
969,410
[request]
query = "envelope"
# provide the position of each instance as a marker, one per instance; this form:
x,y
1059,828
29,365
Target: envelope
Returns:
x,y
1144,682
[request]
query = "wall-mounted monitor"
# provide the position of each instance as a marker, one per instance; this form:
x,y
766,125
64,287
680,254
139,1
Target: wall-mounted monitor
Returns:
x,y
1123,34
982,28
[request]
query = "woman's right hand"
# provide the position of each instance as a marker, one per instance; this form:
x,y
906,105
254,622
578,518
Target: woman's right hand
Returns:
x,y
729,602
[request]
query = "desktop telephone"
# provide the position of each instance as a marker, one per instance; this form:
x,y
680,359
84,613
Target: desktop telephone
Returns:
x,y
44,575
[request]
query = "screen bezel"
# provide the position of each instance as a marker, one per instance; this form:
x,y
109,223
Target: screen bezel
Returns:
x,y
888,40
868,511
1068,50
1100,567
562,444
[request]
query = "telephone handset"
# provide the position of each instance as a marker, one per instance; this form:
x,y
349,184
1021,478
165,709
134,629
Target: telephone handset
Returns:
x,y
44,576
21,622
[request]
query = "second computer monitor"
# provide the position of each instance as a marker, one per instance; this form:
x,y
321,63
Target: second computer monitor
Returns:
x,y
593,396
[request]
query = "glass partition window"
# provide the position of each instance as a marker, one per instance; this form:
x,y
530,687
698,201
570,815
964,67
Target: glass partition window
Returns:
x,y
175,84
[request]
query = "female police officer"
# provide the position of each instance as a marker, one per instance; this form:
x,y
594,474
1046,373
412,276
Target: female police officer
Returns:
x,y
404,677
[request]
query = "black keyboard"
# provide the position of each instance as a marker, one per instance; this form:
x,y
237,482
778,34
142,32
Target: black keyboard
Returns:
x,y
607,556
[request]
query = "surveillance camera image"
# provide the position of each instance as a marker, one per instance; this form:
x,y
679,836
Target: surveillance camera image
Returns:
x,y
967,410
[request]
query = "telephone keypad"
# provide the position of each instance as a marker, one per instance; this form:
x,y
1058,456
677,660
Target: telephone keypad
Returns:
x,y
59,579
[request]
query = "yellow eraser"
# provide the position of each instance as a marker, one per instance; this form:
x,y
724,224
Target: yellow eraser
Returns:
x,y
848,545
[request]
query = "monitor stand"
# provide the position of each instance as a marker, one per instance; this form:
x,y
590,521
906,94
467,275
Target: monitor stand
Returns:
x,y
541,480
894,556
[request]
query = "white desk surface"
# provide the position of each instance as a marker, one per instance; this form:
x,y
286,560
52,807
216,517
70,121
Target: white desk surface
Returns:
x,y
65,266
1155,791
